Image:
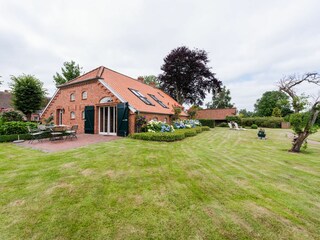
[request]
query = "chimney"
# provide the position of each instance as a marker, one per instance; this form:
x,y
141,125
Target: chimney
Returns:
x,y
140,79
152,84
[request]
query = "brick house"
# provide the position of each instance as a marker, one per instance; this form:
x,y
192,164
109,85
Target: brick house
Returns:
x,y
5,101
104,101
6,105
219,115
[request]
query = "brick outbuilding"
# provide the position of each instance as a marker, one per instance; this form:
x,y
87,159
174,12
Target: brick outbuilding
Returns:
x,y
219,115
104,101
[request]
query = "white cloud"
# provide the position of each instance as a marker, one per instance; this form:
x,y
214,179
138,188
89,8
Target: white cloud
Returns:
x,y
251,44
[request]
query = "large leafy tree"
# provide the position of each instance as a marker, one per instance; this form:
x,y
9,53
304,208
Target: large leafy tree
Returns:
x,y
245,113
302,123
220,99
70,70
186,75
151,80
27,94
271,100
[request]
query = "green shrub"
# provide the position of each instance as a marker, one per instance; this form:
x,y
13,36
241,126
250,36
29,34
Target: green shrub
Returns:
x,y
11,116
236,119
205,128
188,132
223,124
178,134
268,122
9,128
198,129
13,137
159,136
254,126
208,122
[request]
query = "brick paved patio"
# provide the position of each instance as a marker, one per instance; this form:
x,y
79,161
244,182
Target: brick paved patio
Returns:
x,y
62,145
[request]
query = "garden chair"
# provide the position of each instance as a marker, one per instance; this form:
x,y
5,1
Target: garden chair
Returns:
x,y
72,133
35,134
57,133
236,127
230,126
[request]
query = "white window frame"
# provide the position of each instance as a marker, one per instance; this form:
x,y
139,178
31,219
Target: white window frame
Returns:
x,y
72,97
84,95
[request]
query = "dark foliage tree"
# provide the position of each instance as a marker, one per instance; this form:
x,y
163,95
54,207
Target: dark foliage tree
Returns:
x,y
302,123
70,70
186,76
220,99
270,100
27,94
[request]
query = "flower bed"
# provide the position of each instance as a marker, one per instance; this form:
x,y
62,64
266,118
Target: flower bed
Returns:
x,y
158,126
189,123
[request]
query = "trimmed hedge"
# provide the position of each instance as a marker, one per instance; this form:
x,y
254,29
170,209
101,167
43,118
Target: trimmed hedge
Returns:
x,y
223,124
268,122
236,119
13,137
205,128
188,132
208,122
160,137
179,134
27,136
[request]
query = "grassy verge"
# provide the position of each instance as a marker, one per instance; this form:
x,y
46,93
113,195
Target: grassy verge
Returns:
x,y
220,184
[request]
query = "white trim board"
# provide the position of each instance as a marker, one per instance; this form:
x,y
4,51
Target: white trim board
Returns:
x,y
50,101
116,94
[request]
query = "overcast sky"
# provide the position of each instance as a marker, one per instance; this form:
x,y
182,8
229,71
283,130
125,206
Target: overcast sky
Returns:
x,y
251,44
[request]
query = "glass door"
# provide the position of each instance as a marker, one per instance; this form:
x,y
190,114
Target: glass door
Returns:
x,y
107,120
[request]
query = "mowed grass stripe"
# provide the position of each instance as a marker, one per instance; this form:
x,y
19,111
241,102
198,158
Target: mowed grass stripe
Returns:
x,y
219,184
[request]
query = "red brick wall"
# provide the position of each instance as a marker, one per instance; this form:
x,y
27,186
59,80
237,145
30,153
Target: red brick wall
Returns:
x,y
95,92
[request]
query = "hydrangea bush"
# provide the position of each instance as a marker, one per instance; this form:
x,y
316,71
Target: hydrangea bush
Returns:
x,y
189,123
158,126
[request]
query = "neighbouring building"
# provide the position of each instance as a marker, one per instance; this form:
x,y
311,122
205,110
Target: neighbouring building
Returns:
x,y
6,105
5,101
219,115
104,101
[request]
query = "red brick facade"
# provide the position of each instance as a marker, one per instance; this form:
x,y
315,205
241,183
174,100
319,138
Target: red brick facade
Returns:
x,y
95,92
100,83
216,114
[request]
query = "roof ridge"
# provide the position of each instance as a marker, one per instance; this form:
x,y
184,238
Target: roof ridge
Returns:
x,y
120,73
72,80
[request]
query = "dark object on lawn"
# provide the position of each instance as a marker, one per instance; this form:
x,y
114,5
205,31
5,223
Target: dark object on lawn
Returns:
x,y
262,134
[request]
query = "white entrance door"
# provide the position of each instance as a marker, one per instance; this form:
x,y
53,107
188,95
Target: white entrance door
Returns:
x,y
60,117
108,120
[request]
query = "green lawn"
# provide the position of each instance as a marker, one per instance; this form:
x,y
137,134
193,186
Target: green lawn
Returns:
x,y
220,184
315,137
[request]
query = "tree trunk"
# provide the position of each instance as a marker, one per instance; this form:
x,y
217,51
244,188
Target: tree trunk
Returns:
x,y
28,116
296,146
303,136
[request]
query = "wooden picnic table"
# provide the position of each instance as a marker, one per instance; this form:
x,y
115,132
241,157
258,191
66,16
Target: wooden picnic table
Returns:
x,y
57,132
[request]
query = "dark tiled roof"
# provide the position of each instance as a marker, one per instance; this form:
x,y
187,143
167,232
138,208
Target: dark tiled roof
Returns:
x,y
5,100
